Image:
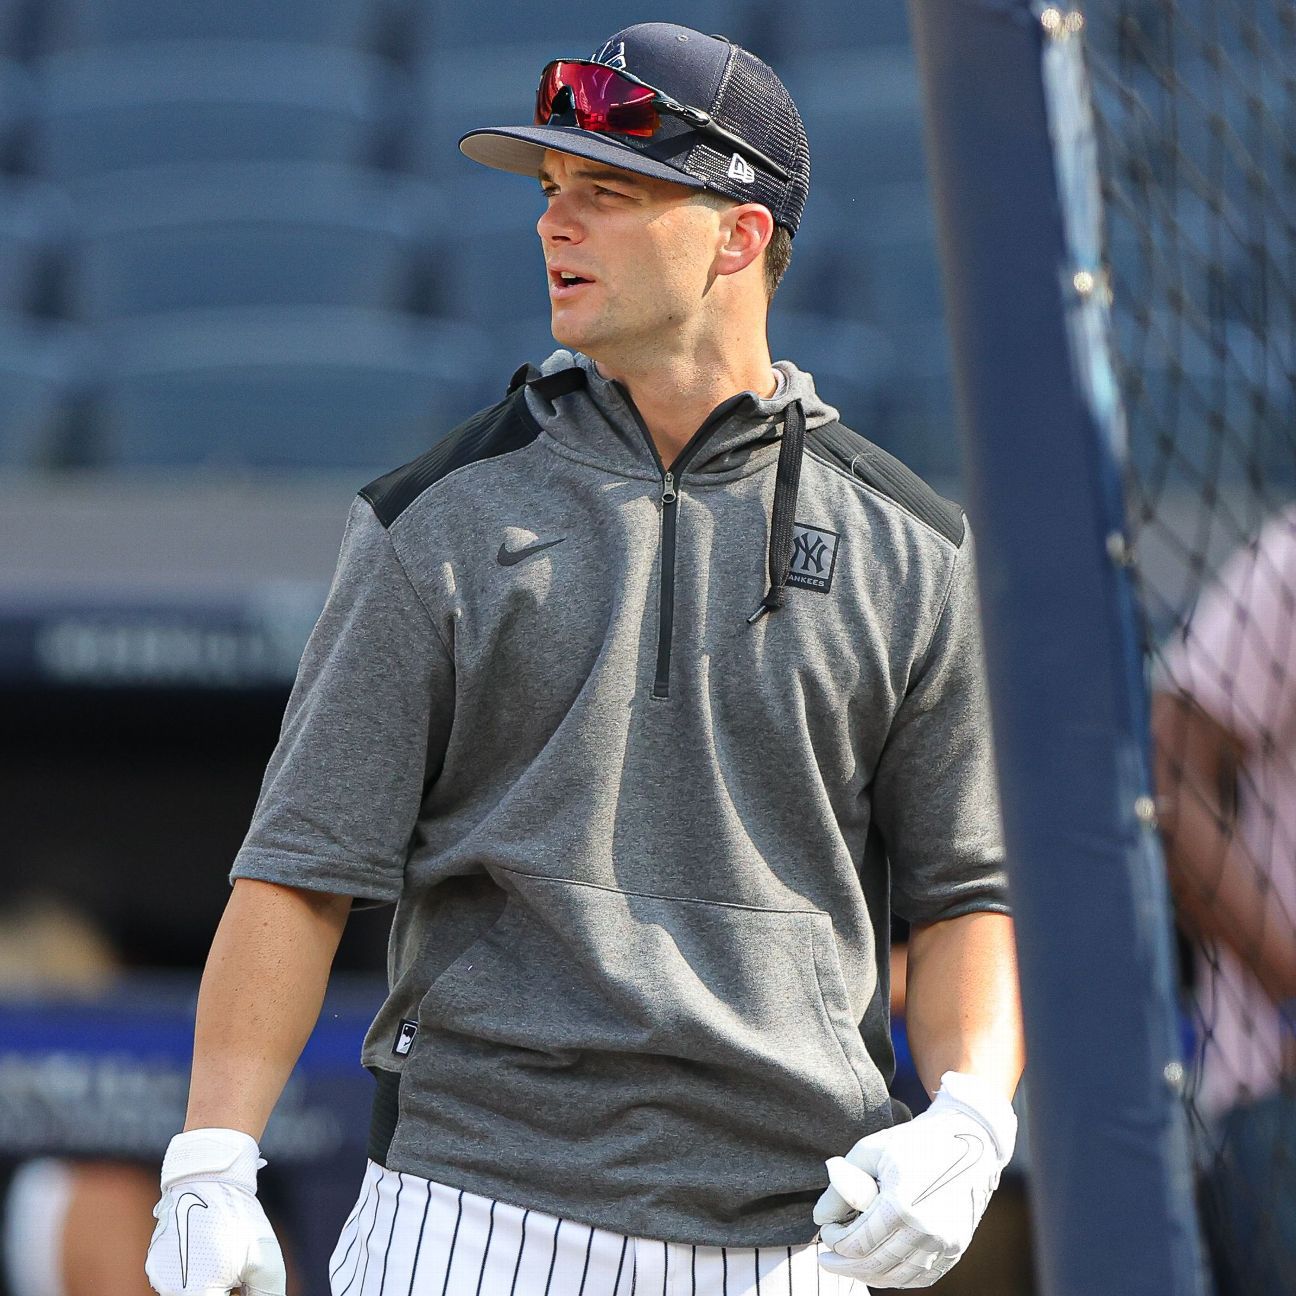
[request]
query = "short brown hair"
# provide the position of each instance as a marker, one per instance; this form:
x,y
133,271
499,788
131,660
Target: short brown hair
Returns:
x,y
778,251
778,255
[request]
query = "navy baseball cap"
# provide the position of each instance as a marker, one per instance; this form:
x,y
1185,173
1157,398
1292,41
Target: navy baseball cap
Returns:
x,y
740,92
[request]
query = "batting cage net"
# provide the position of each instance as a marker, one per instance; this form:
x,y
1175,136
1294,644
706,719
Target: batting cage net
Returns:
x,y
1196,112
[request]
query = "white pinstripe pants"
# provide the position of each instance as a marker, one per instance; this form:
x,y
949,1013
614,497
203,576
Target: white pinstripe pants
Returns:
x,y
408,1236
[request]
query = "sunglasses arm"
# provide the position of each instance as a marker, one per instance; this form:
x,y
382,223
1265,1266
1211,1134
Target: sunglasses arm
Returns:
x,y
703,121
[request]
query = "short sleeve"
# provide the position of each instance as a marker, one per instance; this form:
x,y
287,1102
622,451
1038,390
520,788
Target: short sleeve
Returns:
x,y
366,724
1236,656
935,791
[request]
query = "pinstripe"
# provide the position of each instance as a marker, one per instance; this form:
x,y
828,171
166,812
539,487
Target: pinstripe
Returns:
x,y
418,1246
589,1246
616,1286
372,1223
553,1258
354,1221
454,1238
361,1202
521,1248
400,1188
490,1229
360,1244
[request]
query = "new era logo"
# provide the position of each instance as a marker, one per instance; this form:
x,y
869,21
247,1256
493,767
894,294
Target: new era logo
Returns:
x,y
814,555
741,170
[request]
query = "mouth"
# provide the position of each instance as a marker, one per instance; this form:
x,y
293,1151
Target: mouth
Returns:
x,y
566,283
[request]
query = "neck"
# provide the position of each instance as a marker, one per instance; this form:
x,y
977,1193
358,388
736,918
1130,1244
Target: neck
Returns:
x,y
675,396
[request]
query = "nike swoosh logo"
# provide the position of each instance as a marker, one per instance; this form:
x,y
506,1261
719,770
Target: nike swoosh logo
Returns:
x,y
967,1158
182,1231
508,557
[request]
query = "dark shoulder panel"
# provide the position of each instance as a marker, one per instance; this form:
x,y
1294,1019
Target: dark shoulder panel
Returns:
x,y
887,475
502,427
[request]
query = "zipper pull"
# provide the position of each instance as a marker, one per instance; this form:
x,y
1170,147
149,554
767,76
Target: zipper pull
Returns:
x,y
668,488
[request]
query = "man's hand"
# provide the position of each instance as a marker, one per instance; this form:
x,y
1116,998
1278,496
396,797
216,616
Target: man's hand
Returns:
x,y
903,1203
212,1235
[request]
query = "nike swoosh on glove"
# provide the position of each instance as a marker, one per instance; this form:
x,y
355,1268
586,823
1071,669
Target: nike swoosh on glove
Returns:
x,y
212,1235
903,1203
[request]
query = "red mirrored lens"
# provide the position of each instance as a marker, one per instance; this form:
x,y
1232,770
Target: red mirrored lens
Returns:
x,y
602,98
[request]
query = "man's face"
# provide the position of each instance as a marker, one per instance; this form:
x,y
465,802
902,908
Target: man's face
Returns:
x,y
642,251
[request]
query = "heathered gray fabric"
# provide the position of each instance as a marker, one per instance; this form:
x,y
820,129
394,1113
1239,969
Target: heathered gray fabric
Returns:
x,y
644,939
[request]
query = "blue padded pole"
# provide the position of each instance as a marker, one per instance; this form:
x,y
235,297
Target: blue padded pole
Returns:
x,y
1012,158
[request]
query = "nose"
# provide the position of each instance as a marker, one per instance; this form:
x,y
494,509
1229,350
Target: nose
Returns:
x,y
558,222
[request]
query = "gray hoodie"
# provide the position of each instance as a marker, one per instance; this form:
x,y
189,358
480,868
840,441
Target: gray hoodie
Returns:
x,y
643,848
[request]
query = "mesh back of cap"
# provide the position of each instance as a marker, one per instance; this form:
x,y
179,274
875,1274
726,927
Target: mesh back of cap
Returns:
x,y
755,105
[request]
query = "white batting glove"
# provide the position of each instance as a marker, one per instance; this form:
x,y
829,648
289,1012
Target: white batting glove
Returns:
x,y
903,1203
212,1235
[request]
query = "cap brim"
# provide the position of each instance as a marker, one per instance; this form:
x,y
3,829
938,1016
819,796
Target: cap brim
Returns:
x,y
521,150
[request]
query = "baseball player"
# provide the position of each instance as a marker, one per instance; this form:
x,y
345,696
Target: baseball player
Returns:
x,y
644,697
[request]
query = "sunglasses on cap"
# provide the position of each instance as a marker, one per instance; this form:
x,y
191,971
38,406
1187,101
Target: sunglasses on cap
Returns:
x,y
609,101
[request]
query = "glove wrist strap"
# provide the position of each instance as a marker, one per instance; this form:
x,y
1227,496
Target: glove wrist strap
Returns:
x,y
226,1155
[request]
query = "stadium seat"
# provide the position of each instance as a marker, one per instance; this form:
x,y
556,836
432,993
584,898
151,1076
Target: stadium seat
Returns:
x,y
243,234
896,237
827,275
299,390
862,114
34,221
81,24
820,26
152,105
487,271
461,90
575,31
45,368
920,423
16,28
853,364
17,100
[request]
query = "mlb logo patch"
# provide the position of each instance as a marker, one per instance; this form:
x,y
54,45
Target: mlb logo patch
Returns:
x,y
814,555
405,1038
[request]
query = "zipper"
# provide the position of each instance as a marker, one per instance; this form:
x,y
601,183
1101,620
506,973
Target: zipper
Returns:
x,y
666,613
669,526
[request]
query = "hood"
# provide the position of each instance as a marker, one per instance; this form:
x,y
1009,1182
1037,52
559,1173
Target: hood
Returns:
x,y
598,422
599,419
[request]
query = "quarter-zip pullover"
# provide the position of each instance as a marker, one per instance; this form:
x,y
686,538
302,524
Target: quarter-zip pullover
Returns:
x,y
643,847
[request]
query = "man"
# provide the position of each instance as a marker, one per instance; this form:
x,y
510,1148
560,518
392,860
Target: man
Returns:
x,y
642,696
1225,729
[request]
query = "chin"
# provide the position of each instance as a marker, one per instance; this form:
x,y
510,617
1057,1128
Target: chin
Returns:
x,y
567,334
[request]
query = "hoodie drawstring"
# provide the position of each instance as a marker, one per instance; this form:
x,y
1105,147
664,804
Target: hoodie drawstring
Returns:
x,y
786,483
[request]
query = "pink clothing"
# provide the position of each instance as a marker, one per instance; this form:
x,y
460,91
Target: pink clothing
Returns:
x,y
1237,658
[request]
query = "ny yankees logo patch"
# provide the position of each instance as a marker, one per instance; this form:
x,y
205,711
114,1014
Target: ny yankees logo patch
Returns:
x,y
182,1229
814,556
613,55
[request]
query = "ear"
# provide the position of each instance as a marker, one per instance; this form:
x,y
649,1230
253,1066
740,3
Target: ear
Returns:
x,y
745,232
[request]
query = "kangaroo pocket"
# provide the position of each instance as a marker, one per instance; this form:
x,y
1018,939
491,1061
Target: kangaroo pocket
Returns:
x,y
712,1028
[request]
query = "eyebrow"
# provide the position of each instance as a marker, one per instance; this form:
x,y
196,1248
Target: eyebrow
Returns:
x,y
627,178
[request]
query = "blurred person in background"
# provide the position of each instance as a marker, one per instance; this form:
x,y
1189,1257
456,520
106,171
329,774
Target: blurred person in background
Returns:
x,y
69,1226
645,756
1224,725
